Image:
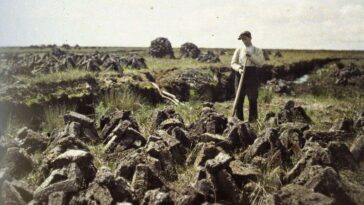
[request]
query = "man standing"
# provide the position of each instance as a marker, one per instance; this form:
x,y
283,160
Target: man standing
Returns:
x,y
250,85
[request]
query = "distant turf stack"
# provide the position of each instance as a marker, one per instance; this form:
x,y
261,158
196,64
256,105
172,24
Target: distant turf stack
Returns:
x,y
189,50
209,57
160,48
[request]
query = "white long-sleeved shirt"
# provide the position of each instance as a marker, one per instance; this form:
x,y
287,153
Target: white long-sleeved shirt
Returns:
x,y
256,58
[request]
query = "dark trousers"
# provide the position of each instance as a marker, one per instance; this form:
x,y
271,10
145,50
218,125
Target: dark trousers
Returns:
x,y
249,88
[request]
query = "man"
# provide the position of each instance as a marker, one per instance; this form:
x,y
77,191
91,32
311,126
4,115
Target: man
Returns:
x,y
250,82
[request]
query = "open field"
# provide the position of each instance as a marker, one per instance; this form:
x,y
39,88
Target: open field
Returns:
x,y
128,130
288,55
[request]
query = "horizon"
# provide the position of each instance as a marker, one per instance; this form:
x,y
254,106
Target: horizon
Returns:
x,y
146,47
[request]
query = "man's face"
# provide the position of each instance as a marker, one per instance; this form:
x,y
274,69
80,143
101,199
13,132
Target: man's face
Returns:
x,y
247,41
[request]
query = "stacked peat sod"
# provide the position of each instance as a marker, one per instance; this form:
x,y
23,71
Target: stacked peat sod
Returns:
x,y
349,75
58,60
189,50
161,47
286,163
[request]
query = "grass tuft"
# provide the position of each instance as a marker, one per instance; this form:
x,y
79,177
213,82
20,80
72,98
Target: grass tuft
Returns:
x,y
143,117
266,95
186,175
190,111
53,115
123,99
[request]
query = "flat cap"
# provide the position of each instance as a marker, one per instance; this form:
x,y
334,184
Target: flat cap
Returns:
x,y
245,33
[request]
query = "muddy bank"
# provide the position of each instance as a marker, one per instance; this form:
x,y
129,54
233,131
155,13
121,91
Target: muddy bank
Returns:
x,y
342,80
217,84
207,84
34,115
292,71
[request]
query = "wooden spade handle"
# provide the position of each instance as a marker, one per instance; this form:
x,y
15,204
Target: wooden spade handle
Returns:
x,y
237,95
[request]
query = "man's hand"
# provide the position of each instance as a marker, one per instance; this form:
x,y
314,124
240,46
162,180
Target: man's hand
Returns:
x,y
241,71
248,54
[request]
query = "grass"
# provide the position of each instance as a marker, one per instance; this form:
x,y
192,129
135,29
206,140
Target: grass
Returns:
x,y
350,179
190,111
322,84
267,101
97,152
186,175
163,63
122,99
67,75
19,117
11,126
323,110
99,161
259,195
292,56
144,115
34,177
125,99
268,182
265,95
53,115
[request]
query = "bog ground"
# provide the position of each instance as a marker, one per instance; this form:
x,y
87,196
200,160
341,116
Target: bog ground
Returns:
x,y
109,125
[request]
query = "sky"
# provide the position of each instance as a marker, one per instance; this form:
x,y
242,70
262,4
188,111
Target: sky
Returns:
x,y
295,24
